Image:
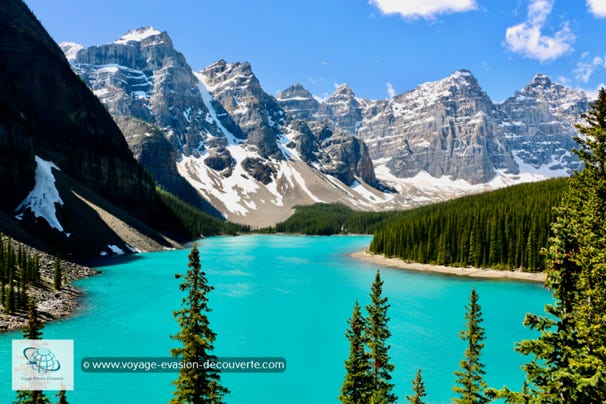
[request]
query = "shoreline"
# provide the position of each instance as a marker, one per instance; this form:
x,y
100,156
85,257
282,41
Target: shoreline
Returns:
x,y
445,270
52,304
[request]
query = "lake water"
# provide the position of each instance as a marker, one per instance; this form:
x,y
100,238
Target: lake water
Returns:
x,y
284,296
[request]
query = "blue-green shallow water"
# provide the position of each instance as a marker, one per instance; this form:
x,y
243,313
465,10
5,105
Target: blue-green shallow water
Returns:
x,y
284,296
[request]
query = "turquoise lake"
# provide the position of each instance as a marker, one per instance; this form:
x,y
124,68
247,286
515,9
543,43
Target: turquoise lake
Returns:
x,y
284,296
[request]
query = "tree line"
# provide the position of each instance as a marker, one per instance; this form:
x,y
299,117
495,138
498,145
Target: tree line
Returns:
x,y
194,221
325,219
503,229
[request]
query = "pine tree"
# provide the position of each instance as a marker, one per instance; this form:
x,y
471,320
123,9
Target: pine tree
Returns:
x,y
10,300
377,335
33,330
196,386
57,274
357,387
569,356
470,383
62,396
418,389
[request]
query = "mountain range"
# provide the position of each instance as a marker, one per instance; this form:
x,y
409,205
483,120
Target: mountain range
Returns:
x,y
253,156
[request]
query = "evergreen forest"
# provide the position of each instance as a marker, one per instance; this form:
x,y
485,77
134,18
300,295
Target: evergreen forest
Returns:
x,y
503,229
18,270
194,221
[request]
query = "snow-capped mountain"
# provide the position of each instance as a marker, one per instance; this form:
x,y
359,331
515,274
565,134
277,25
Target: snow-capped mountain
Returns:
x,y
451,128
254,156
537,125
235,144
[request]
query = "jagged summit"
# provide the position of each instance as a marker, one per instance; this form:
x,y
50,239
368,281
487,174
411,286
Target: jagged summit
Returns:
x,y
137,35
295,91
343,90
298,101
540,79
250,153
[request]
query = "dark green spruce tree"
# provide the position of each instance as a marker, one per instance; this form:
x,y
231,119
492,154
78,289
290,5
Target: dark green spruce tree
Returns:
x,y
57,274
33,330
357,387
418,390
62,396
196,386
470,384
377,335
569,356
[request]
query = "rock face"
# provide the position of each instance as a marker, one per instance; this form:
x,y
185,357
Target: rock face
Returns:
x,y
232,141
298,102
257,114
538,124
50,118
248,152
142,75
451,128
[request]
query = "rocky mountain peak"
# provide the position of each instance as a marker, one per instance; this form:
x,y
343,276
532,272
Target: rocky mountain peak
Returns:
x,y
70,49
140,35
236,88
236,75
295,91
541,80
299,102
343,91
562,101
542,115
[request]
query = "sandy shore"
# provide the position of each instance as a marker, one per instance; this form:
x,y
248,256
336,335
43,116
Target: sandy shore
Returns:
x,y
471,272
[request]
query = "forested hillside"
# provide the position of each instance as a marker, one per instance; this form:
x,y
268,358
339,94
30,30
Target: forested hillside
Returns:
x,y
326,219
504,229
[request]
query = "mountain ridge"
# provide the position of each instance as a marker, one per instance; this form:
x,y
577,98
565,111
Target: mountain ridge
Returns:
x,y
441,139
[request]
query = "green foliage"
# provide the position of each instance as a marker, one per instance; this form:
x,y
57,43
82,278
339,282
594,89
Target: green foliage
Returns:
x,y
368,369
569,357
418,389
57,274
503,229
62,396
470,383
193,385
33,327
377,334
32,330
18,270
195,222
31,397
357,386
326,219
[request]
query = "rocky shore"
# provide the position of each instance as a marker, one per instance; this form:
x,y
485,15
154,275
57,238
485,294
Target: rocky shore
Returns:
x,y
52,304
468,271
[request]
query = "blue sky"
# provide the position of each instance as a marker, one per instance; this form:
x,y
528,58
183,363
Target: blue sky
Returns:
x,y
378,47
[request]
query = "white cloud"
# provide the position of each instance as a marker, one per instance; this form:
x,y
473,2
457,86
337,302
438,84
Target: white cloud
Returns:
x,y
597,7
592,93
529,40
390,90
587,66
423,8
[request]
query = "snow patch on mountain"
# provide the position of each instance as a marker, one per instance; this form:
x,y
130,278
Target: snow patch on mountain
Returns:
x,y
70,49
138,34
213,118
41,200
